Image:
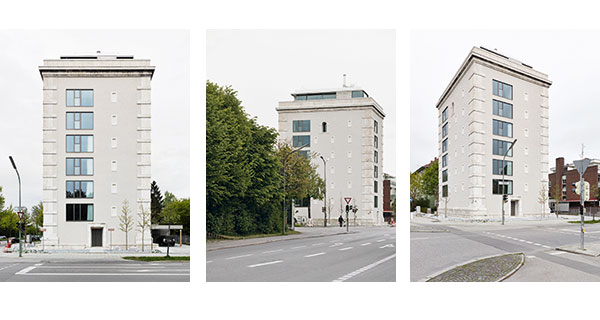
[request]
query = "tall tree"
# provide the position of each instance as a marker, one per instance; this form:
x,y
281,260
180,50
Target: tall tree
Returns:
x,y
156,201
8,221
556,195
169,216
126,221
143,222
431,180
37,213
416,187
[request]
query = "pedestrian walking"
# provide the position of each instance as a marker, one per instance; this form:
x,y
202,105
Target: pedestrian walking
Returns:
x,y
341,220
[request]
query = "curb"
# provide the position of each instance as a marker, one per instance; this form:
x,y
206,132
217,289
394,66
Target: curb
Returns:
x,y
477,259
277,240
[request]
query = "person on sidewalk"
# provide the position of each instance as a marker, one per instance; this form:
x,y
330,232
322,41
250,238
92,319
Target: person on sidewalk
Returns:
x,y
341,221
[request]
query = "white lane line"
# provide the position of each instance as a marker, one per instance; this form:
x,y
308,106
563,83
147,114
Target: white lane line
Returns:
x,y
12,265
547,247
368,243
314,254
387,246
337,244
271,251
26,270
347,248
298,247
530,256
236,257
557,253
208,261
380,240
105,274
363,269
529,242
316,244
264,264
537,244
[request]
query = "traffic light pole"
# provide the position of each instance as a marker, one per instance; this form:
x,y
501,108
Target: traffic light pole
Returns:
x,y
582,193
20,209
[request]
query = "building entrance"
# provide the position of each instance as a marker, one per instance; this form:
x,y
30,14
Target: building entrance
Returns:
x,y
96,237
513,208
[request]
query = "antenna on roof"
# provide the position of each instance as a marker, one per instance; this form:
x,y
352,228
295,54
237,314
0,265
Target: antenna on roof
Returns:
x,y
344,85
98,51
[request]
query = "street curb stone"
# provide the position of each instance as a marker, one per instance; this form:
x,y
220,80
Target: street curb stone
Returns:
x,y
491,278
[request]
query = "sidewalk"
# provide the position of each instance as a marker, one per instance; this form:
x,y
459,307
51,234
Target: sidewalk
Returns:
x,y
35,253
305,232
430,219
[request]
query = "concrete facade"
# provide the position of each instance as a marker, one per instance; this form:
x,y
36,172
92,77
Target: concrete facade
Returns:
x,y
120,111
468,102
353,122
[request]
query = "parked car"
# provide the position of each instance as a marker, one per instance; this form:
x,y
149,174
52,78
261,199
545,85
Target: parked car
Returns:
x,y
166,241
3,238
36,238
13,240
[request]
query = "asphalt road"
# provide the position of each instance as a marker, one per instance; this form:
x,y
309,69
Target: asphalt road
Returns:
x,y
95,269
455,244
367,255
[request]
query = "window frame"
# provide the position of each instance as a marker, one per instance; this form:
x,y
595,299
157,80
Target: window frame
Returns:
x,y
80,121
497,167
505,146
297,141
75,160
507,128
76,212
78,94
496,186
498,105
74,143
300,126
498,89
75,189
445,145
445,175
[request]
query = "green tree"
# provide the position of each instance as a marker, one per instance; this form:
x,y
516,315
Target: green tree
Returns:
x,y
243,174
144,222
126,221
431,180
37,213
170,215
416,187
8,222
169,197
556,195
156,202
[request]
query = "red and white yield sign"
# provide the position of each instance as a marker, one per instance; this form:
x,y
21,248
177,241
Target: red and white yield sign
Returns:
x,y
20,215
347,199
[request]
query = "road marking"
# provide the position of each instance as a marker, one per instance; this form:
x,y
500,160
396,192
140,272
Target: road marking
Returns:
x,y
264,264
271,251
368,243
105,274
557,253
337,244
387,246
529,242
314,255
537,244
530,256
380,240
316,244
347,248
363,269
411,239
208,261
299,247
242,256
12,265
26,270
547,247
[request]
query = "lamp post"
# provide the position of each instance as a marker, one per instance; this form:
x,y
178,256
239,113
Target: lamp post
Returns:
x,y
283,169
325,201
19,177
503,171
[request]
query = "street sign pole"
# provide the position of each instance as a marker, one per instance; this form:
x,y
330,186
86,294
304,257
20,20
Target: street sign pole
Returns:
x,y
581,166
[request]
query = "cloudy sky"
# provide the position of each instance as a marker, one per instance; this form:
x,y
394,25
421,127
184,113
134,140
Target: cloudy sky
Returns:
x,y
569,58
21,101
266,66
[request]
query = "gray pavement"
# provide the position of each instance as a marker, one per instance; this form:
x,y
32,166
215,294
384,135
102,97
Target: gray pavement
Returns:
x,y
319,254
93,267
432,252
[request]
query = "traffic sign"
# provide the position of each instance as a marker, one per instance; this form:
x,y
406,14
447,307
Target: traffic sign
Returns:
x,y
20,213
348,199
581,165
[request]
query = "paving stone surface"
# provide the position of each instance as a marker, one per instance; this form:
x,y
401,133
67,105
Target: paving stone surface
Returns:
x,y
485,270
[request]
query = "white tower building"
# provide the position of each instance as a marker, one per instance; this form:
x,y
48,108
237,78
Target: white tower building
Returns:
x,y
491,101
345,127
96,148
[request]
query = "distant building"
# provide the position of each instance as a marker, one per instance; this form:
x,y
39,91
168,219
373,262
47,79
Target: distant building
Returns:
x,y
422,168
566,177
491,101
389,195
345,127
96,148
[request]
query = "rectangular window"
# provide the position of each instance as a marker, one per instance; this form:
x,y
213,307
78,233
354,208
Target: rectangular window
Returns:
x,y
376,157
445,115
358,94
80,98
299,141
444,175
316,96
502,109
497,167
301,126
376,141
375,126
444,161
302,202
445,145
498,185
80,189
375,172
80,212
502,89
500,147
80,120
376,202
80,143
445,130
375,187
502,128
80,166
304,153
445,191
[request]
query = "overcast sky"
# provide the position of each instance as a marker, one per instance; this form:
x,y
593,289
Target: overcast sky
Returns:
x,y
22,52
569,58
266,66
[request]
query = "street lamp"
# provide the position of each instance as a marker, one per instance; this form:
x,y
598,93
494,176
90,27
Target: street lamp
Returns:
x,y
503,171
283,169
19,177
325,201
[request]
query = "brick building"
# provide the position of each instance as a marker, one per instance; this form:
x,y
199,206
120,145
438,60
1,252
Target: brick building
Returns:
x,y
566,176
